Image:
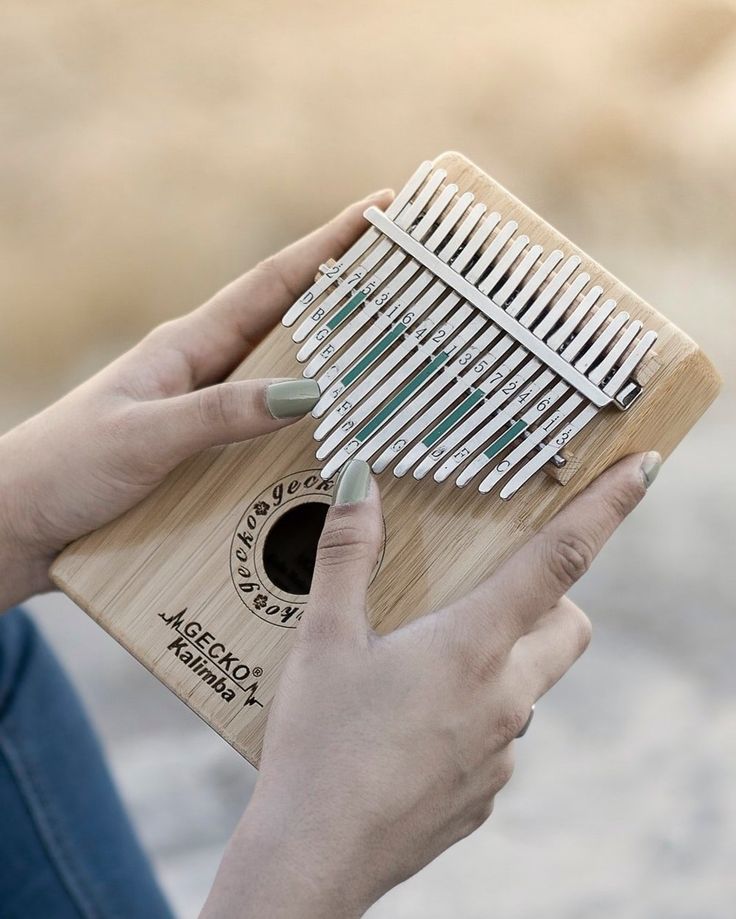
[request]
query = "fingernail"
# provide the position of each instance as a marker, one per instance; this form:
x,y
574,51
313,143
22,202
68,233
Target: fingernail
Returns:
x,y
650,465
353,483
292,398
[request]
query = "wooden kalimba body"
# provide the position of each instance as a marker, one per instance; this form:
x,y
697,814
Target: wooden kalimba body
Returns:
x,y
487,369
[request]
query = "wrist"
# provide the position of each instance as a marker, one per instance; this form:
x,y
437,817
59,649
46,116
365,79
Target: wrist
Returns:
x,y
24,569
271,868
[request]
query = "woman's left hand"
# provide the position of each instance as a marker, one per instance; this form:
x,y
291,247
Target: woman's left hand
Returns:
x,y
99,450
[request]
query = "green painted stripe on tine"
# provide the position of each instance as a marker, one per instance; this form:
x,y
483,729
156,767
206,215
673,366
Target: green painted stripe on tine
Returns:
x,y
505,438
401,396
352,303
375,352
455,415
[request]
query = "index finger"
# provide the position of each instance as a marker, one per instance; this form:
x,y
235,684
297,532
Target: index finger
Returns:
x,y
529,583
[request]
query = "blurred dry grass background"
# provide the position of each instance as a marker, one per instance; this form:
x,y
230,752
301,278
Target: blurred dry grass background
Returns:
x,y
150,151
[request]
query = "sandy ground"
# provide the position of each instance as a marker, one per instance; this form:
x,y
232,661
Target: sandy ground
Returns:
x,y
150,151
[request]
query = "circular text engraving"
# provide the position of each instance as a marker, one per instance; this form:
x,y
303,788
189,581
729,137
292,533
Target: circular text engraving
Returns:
x,y
274,546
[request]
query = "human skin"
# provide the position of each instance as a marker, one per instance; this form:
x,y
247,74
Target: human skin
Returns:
x,y
406,738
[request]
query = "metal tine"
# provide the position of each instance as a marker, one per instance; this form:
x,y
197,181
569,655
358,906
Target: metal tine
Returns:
x,y
630,364
560,439
434,211
450,220
451,300
393,415
559,390
405,219
482,303
602,342
431,401
473,422
499,270
571,404
458,391
538,305
464,230
463,382
358,248
472,247
623,343
406,350
571,351
583,418
487,257
558,338
517,275
383,292
487,389
411,316
381,324
504,264
450,440
341,332
389,392
501,386
558,309
502,430
388,359
492,416
383,320
458,413
529,445
520,300
437,329
384,281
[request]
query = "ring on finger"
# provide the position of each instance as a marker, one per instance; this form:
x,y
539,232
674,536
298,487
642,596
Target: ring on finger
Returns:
x,y
526,725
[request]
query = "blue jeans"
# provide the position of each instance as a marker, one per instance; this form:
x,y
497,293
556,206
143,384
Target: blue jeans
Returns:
x,y
67,849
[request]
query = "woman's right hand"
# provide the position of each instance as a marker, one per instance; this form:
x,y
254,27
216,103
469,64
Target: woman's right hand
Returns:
x,y
382,751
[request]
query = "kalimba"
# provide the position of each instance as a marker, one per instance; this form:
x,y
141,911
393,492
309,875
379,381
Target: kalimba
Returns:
x,y
486,368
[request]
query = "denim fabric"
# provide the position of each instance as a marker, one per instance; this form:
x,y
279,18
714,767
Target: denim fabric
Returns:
x,y
67,849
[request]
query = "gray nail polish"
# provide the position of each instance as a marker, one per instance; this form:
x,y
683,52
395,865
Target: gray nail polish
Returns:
x,y
292,398
650,466
353,483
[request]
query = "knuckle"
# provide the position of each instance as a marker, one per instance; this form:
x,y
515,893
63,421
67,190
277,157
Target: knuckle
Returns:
x,y
162,334
583,632
504,771
344,539
487,809
480,813
341,544
570,556
622,500
510,723
217,406
270,270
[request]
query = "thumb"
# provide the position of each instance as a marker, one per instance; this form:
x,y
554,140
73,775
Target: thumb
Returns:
x,y
226,413
346,557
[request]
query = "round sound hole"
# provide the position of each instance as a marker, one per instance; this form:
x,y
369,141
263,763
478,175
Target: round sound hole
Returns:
x,y
290,547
